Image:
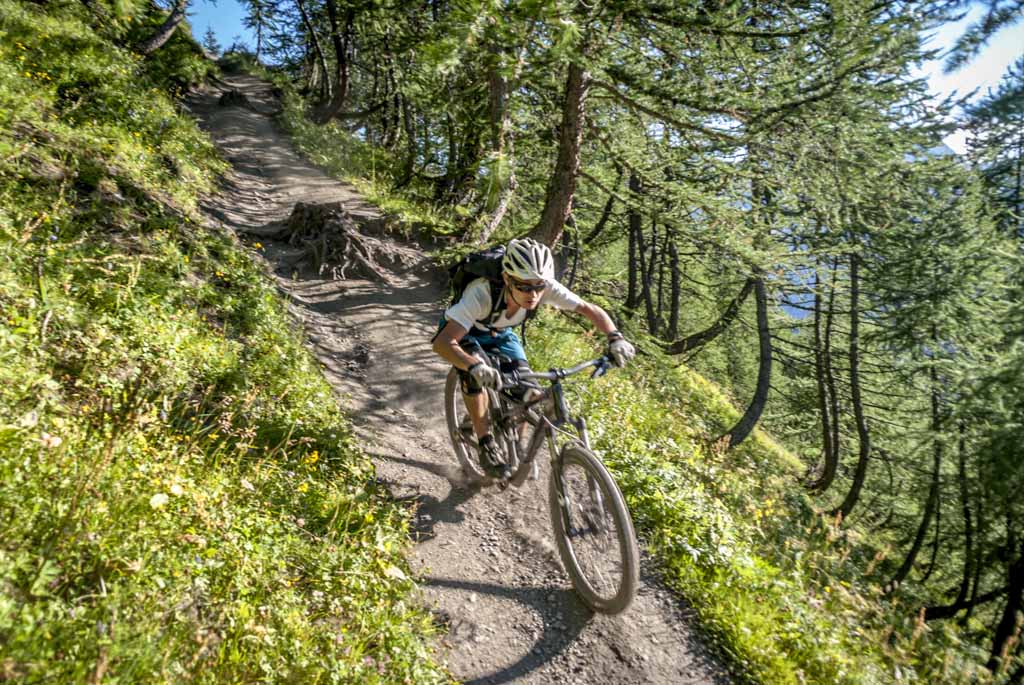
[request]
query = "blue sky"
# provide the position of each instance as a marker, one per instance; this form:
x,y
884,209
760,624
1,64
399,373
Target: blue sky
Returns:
x,y
984,72
223,16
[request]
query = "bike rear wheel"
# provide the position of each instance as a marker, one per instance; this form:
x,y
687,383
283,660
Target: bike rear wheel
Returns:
x,y
460,428
593,531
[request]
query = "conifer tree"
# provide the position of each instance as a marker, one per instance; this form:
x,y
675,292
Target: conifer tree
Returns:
x,y
996,145
210,43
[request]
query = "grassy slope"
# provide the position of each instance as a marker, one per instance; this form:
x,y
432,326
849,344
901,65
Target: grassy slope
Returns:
x,y
180,498
781,590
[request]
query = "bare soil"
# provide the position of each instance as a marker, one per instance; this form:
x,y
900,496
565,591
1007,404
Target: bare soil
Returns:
x,y
485,560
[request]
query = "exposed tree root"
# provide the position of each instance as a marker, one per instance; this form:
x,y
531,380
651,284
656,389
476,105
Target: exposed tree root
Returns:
x,y
333,244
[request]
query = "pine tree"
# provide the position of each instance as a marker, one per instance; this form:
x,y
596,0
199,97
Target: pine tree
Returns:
x,y
210,43
996,145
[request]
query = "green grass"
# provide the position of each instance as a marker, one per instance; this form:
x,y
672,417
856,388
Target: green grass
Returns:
x,y
370,169
770,579
787,596
180,498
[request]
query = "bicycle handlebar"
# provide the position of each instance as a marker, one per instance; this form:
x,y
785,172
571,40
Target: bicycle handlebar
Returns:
x,y
602,363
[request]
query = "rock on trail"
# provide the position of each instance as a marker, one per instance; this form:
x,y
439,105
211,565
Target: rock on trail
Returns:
x,y
485,560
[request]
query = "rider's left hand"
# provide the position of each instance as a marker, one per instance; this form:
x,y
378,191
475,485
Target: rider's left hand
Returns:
x,y
619,349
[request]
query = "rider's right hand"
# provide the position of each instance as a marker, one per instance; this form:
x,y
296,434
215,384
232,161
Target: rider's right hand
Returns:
x,y
485,376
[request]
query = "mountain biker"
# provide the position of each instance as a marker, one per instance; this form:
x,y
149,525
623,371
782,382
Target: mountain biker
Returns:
x,y
471,327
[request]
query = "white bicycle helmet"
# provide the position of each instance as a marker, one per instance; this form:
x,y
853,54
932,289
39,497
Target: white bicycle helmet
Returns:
x,y
528,260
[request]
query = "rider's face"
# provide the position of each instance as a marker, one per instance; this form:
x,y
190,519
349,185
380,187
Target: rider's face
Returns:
x,y
527,293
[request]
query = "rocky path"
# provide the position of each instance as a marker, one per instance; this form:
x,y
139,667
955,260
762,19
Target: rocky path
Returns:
x,y
485,559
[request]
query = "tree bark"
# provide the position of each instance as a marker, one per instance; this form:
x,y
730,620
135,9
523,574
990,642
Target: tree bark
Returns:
x,y
965,507
340,40
318,49
830,378
750,417
922,530
951,610
502,142
933,489
705,336
647,276
863,437
830,458
606,214
562,184
675,286
634,227
166,30
1006,629
977,565
409,165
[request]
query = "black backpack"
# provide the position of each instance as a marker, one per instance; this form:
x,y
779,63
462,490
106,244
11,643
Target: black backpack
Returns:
x,y
483,264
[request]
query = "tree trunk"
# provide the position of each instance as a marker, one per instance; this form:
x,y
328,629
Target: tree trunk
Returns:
x,y
259,31
166,30
863,437
502,144
965,507
933,489
1007,627
647,276
930,568
635,227
977,565
701,338
393,106
750,417
674,297
562,184
830,458
922,529
605,213
444,183
340,39
951,610
830,378
321,60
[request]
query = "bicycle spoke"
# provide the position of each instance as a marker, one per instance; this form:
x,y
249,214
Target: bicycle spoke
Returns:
x,y
592,532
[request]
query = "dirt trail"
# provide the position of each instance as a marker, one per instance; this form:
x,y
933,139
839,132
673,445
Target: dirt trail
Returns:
x,y
485,559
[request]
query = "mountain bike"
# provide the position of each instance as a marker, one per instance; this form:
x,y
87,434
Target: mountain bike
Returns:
x,y
592,526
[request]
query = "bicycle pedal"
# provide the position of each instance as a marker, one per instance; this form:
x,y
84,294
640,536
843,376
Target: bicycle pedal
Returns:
x,y
504,480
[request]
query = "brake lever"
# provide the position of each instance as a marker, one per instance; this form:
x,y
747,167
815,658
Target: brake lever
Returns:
x,y
601,368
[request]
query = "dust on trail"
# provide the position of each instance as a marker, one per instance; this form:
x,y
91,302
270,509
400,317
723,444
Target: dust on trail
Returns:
x,y
485,559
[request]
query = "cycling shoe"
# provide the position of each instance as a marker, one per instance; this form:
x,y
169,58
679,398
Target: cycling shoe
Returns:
x,y
492,461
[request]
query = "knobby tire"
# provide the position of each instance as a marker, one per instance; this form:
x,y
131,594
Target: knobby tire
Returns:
x,y
606,576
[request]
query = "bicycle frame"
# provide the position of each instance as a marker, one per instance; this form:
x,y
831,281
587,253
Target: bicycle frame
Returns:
x,y
545,427
592,526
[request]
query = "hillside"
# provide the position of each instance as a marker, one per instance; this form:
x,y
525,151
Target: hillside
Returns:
x,y
180,498
222,448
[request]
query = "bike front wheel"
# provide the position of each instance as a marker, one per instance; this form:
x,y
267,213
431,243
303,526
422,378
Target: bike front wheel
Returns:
x,y
593,531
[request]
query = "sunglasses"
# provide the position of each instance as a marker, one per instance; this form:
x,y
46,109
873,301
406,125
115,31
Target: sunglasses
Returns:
x,y
526,287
